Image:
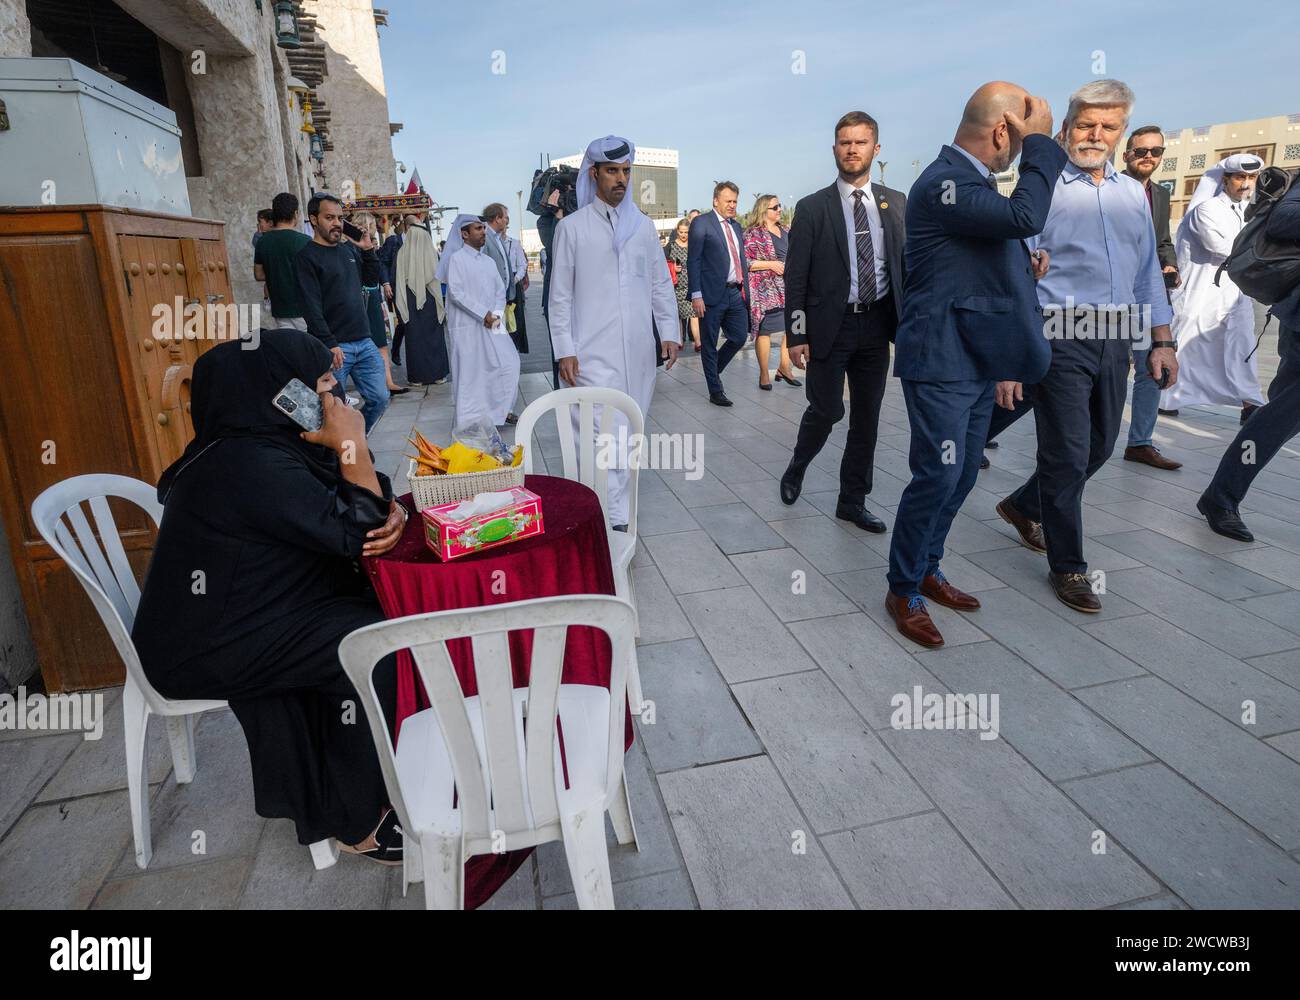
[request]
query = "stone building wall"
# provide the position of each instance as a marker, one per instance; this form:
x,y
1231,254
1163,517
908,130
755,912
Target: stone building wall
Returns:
x,y
15,30
357,98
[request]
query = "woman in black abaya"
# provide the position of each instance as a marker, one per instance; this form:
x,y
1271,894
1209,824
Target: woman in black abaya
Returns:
x,y
254,582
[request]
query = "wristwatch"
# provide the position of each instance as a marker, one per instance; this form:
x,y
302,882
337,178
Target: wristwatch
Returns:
x,y
1165,343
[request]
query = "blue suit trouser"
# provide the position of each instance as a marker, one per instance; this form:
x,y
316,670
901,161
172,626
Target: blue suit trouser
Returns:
x,y
731,316
949,421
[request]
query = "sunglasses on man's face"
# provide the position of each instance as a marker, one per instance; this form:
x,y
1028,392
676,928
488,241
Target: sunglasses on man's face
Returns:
x,y
1155,152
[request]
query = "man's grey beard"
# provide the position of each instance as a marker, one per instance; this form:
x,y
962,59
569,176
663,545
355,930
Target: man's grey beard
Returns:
x,y
1079,156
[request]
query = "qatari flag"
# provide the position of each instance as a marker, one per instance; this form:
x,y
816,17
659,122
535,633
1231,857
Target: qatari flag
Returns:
x,y
414,187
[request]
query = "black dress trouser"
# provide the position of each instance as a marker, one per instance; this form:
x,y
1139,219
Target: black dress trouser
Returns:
x,y
1079,407
1267,430
861,355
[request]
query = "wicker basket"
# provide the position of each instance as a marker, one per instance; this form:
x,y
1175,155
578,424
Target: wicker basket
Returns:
x,y
429,491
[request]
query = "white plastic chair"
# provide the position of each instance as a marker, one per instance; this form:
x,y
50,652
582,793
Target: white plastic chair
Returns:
x,y
483,774
111,585
580,464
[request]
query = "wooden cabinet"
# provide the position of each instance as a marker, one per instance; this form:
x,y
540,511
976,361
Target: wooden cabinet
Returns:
x,y
97,379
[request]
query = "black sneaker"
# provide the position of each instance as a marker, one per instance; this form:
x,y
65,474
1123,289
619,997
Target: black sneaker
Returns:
x,y
388,842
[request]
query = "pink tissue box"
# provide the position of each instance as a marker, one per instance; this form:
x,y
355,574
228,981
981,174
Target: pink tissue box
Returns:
x,y
452,539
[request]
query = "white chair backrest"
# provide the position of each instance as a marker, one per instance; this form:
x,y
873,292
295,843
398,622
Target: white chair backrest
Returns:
x,y
104,571
521,800
580,456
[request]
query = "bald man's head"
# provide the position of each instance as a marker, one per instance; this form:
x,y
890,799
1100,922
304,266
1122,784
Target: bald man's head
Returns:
x,y
985,108
983,130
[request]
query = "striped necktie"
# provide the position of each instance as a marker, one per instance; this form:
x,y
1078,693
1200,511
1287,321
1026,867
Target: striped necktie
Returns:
x,y
866,251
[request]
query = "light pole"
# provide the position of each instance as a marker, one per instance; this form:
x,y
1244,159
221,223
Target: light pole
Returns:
x,y
520,196
916,166
881,165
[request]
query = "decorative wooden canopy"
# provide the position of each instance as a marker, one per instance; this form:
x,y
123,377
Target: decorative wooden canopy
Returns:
x,y
390,204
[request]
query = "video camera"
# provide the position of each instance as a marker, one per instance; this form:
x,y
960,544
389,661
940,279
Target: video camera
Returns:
x,y
554,189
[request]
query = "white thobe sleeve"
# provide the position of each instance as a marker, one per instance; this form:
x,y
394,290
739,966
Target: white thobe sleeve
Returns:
x,y
561,294
663,297
1214,228
466,291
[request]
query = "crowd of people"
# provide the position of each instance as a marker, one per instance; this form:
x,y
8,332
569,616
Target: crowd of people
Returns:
x,y
993,305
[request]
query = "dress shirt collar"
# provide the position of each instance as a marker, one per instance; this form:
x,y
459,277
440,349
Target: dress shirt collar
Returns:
x,y
977,164
1073,173
721,221
846,189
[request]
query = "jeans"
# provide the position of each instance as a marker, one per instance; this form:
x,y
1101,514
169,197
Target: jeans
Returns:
x,y
1267,430
1146,401
362,360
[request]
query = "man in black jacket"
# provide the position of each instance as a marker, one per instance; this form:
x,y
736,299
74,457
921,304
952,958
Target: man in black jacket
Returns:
x,y
843,299
331,273
1270,426
1146,146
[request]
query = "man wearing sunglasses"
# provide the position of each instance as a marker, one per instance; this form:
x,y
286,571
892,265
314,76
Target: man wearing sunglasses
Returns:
x,y
1142,155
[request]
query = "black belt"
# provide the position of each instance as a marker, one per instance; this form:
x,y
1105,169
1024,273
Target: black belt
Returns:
x,y
862,307
733,284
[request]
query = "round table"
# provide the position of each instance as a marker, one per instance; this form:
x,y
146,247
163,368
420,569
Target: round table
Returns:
x,y
571,556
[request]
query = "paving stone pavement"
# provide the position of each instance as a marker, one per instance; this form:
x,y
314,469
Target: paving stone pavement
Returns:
x,y
1145,757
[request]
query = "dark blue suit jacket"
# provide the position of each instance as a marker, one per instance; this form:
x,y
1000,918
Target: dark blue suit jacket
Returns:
x,y
708,259
1284,224
969,306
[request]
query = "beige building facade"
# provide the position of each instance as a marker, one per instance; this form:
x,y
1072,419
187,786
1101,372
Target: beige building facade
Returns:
x,y
247,104
1189,152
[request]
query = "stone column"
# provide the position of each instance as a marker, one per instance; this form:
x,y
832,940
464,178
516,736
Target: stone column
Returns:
x,y
15,29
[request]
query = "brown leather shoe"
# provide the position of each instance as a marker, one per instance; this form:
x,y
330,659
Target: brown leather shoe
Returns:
x,y
1148,455
912,619
1031,532
1074,590
938,589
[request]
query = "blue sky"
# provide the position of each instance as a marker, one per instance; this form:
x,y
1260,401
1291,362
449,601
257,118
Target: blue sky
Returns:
x,y
714,80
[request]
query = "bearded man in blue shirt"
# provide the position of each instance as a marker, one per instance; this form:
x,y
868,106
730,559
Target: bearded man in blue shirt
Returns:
x,y
1103,294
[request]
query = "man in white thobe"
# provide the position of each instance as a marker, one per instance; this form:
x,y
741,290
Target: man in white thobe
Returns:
x,y
484,363
610,292
1214,325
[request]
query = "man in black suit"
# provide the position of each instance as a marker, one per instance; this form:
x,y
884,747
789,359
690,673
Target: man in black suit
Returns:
x,y
1146,146
843,299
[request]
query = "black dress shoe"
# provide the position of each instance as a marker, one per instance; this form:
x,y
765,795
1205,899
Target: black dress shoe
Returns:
x,y
1167,413
988,445
719,399
791,486
1224,521
788,380
765,386
984,461
860,516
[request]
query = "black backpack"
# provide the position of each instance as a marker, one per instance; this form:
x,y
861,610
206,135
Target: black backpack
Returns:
x,y
1266,269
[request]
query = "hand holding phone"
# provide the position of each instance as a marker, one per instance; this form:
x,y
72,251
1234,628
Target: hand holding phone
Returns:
x,y
300,403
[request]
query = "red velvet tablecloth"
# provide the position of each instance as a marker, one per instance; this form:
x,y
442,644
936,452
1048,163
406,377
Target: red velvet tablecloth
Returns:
x,y
571,556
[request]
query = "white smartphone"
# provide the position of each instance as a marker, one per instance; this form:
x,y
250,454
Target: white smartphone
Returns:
x,y
299,402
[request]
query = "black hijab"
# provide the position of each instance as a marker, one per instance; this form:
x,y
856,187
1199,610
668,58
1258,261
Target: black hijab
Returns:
x,y
231,392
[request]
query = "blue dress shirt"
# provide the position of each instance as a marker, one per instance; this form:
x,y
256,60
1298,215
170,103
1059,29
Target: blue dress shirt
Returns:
x,y
1102,244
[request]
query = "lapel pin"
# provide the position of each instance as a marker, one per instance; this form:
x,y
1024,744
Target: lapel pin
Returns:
x,y
884,204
